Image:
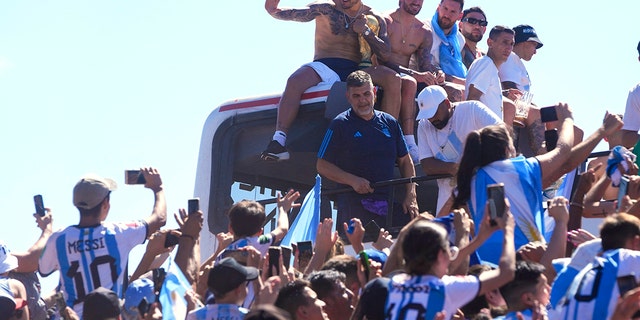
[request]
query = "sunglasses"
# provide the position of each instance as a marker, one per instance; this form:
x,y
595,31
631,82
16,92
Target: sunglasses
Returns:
x,y
482,23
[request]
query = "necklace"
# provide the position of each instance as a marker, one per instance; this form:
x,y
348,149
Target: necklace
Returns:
x,y
402,29
348,20
446,138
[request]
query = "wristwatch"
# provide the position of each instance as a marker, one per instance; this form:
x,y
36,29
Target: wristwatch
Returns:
x,y
366,31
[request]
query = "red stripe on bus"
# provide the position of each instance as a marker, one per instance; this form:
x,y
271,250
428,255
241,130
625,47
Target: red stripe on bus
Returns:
x,y
263,102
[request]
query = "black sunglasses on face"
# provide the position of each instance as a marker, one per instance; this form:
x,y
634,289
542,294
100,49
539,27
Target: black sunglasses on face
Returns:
x,y
482,23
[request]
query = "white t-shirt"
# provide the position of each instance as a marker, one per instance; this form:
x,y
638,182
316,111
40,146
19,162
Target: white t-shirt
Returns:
x,y
409,297
514,70
91,257
632,110
435,46
483,75
447,144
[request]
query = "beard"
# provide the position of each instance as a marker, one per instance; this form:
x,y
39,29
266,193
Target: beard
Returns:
x,y
472,37
410,10
445,25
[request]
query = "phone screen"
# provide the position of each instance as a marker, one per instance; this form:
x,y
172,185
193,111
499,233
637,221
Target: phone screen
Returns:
x,y
622,191
495,197
39,204
548,114
171,240
274,261
193,205
134,177
286,256
305,251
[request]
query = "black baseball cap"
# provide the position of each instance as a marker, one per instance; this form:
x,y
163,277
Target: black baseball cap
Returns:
x,y
228,274
100,304
525,33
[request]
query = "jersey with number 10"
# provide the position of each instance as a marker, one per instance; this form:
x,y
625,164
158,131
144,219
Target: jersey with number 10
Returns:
x,y
421,297
91,257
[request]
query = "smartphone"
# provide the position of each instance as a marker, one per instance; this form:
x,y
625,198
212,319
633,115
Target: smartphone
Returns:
x,y
134,177
371,231
58,297
286,256
193,205
625,284
551,139
305,252
495,197
239,255
274,261
548,114
364,260
37,201
622,191
171,240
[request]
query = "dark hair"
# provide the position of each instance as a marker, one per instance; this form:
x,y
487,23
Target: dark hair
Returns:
x,y
246,218
461,2
421,246
616,229
291,296
323,282
473,9
497,30
345,264
638,48
526,279
482,147
358,79
474,306
95,211
267,312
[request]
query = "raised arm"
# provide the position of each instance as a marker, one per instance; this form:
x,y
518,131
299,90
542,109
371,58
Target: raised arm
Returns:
x,y
28,261
285,203
379,43
301,15
188,255
571,159
158,217
494,279
557,246
551,161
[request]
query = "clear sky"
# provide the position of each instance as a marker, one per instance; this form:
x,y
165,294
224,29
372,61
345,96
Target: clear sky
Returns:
x,y
104,86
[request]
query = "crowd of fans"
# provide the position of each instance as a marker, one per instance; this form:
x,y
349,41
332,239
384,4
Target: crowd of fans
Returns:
x,y
471,259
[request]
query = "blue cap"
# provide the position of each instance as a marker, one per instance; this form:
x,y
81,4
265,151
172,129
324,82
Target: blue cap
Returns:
x,y
376,255
136,291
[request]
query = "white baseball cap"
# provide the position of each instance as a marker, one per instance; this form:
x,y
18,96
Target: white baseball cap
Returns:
x,y
8,261
428,101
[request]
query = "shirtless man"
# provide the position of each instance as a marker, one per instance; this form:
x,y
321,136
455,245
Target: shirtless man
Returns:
x,y
337,53
408,37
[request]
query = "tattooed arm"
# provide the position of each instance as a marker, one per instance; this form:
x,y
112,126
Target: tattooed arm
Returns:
x,y
379,43
289,14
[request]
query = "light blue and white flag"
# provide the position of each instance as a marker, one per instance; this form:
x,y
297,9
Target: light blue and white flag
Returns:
x,y
305,225
174,305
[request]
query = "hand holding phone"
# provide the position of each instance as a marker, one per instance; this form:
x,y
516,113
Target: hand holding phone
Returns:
x,y
548,114
305,252
39,204
625,284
